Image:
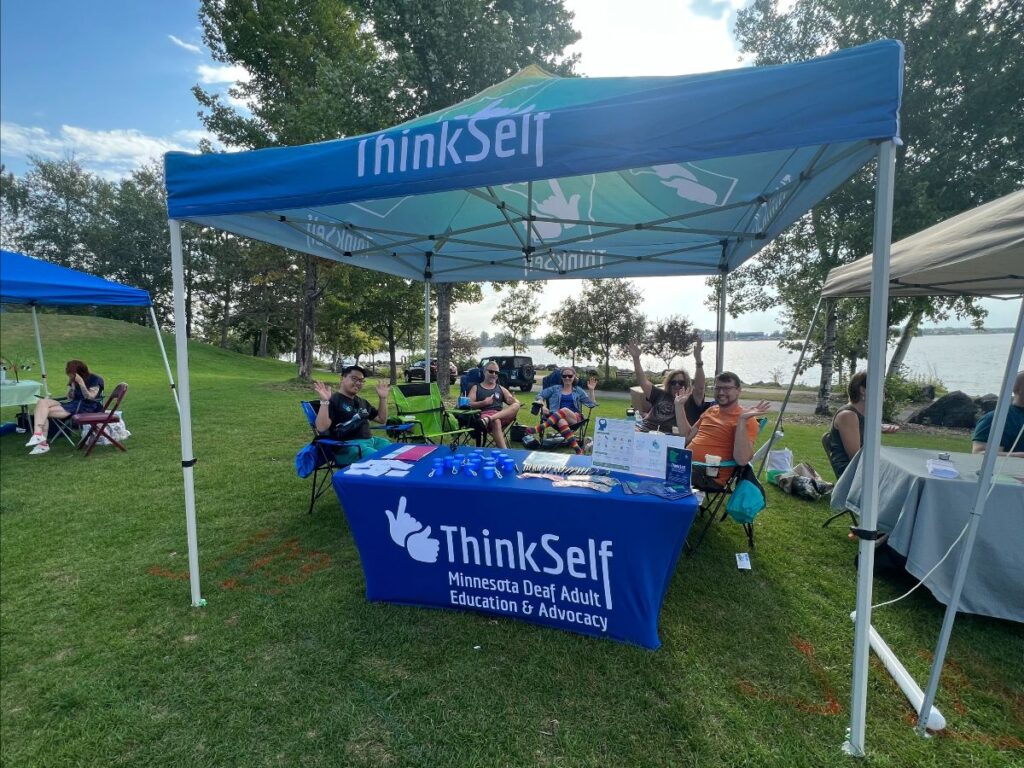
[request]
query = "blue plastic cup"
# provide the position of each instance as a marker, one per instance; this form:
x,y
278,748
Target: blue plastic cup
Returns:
x,y
463,402
508,465
488,472
449,462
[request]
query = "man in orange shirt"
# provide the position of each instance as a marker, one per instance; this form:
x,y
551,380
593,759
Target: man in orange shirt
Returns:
x,y
726,430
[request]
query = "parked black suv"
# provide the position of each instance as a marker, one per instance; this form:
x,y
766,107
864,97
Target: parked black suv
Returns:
x,y
415,371
513,371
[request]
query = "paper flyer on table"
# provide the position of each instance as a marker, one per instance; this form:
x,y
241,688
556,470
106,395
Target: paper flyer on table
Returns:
x,y
618,446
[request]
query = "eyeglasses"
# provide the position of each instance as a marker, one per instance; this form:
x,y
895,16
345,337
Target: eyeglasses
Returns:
x,y
679,382
726,388
568,376
354,380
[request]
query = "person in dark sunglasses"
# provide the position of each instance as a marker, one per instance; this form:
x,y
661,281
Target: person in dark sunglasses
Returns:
x,y
662,415
560,406
498,407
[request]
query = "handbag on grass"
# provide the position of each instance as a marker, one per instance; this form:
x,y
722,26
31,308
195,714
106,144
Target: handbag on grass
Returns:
x,y
747,498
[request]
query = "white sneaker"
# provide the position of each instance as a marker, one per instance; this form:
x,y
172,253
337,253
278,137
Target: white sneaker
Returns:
x,y
36,439
43,447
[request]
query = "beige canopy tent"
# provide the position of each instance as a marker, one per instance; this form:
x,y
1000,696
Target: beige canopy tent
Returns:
x,y
979,253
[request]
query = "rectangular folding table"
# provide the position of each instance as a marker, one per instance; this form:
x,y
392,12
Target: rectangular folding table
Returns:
x,y
19,393
924,515
576,559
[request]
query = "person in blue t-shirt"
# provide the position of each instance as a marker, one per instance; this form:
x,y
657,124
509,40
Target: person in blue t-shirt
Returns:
x,y
1012,441
559,406
85,391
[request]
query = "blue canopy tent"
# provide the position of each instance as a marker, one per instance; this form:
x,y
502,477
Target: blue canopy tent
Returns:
x,y
24,280
541,177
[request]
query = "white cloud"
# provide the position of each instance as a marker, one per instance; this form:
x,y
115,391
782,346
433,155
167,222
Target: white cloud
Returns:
x,y
212,74
111,154
182,44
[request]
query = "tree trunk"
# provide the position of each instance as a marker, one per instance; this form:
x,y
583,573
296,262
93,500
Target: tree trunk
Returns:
x,y
392,347
828,351
443,291
226,317
264,335
909,331
307,325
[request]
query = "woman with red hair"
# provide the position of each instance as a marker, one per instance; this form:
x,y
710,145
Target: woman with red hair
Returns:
x,y
85,391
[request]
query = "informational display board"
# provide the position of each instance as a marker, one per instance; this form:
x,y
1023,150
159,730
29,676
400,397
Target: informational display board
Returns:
x,y
618,446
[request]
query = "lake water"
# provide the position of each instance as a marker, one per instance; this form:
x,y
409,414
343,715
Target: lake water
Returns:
x,y
972,363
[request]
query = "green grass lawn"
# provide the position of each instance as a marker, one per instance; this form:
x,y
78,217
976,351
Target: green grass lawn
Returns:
x,y
104,662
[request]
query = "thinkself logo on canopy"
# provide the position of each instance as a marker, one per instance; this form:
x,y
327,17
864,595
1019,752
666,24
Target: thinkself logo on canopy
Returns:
x,y
541,554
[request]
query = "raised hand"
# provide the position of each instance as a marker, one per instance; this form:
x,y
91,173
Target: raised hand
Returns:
x,y
422,547
322,390
634,349
401,523
756,410
888,429
592,383
684,393
698,351
383,389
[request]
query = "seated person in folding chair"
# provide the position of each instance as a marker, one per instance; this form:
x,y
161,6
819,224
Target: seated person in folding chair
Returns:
x,y
344,415
497,405
1011,443
846,436
559,406
662,416
85,395
726,429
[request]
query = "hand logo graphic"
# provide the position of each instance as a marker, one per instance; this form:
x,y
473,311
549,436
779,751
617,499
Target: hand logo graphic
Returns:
x,y
423,548
407,532
557,207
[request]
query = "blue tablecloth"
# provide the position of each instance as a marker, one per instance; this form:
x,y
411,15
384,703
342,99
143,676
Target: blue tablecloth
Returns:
x,y
588,562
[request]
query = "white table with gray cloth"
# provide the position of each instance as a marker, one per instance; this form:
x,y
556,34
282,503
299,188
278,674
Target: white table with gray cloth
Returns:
x,y
924,514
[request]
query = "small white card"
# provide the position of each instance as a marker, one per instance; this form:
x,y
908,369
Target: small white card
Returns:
x,y
743,561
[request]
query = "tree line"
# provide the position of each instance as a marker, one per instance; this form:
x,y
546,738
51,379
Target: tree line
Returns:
x,y
327,69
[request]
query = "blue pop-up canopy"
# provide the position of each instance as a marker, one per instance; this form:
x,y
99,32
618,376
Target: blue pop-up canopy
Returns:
x,y
616,177
24,280
541,177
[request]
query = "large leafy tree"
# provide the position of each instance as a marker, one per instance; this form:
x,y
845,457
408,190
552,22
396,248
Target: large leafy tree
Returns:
x,y
444,52
669,338
518,315
608,316
567,337
961,123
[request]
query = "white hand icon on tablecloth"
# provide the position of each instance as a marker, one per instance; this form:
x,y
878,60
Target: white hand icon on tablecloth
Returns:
x,y
407,532
556,206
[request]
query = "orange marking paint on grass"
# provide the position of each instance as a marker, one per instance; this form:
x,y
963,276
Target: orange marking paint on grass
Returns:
x,y
829,708
166,573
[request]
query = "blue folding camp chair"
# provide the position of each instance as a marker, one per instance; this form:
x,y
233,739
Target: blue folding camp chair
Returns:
x,y
326,454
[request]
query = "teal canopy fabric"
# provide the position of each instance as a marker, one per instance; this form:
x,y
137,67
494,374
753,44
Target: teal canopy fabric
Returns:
x,y
542,177
24,280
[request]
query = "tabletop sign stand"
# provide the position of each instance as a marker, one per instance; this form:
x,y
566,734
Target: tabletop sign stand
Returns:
x,y
618,446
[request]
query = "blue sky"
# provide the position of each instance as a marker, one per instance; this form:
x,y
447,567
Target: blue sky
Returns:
x,y
109,81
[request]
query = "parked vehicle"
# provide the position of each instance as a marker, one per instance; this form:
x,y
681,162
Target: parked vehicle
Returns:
x,y
513,371
415,371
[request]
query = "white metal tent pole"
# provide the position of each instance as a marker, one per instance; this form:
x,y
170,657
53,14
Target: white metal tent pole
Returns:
x,y
995,435
185,410
426,331
39,348
878,324
792,383
720,342
163,354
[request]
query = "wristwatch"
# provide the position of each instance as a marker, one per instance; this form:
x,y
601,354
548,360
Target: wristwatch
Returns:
x,y
324,402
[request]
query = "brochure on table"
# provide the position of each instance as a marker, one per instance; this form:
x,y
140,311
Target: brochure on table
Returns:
x,y
618,446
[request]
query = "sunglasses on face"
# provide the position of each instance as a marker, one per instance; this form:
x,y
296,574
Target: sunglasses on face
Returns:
x,y
568,376
679,383
491,373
